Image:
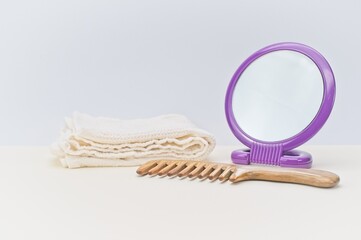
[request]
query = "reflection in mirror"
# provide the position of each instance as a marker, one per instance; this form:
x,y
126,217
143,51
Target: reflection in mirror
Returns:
x,y
277,96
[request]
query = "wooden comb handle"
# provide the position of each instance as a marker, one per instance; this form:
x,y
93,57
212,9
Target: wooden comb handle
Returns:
x,y
317,178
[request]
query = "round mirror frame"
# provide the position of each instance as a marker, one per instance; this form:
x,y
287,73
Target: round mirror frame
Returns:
x,y
329,90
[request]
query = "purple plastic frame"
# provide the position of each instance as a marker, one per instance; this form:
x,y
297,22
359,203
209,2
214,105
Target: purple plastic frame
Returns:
x,y
278,152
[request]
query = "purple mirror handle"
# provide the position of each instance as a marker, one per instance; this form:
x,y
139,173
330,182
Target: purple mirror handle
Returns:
x,y
290,159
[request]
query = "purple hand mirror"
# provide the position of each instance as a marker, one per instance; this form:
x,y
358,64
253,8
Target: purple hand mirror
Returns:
x,y
277,100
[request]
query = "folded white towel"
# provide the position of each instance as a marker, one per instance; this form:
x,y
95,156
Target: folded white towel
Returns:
x,y
88,141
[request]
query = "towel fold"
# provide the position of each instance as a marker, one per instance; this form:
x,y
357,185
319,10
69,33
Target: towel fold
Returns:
x,y
88,141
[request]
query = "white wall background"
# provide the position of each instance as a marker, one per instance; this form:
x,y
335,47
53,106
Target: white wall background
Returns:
x,y
144,58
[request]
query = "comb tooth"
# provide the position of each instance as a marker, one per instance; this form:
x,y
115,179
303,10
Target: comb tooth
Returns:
x,y
199,168
215,174
169,167
209,168
157,168
180,166
233,177
187,170
144,169
226,174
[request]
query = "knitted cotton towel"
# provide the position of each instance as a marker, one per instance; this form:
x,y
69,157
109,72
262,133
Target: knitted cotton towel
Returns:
x,y
88,141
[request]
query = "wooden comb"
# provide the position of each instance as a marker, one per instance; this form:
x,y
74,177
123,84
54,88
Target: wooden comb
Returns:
x,y
236,173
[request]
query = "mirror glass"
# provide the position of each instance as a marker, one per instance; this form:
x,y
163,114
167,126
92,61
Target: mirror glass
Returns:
x,y
277,96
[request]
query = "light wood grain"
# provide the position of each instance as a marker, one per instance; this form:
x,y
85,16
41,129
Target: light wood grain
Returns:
x,y
236,173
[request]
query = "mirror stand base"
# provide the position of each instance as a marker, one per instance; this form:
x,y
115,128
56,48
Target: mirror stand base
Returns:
x,y
290,159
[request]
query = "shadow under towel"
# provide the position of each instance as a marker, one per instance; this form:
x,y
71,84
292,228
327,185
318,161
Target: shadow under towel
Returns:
x,y
88,141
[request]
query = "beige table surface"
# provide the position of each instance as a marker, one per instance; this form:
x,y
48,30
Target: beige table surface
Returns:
x,y
42,200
